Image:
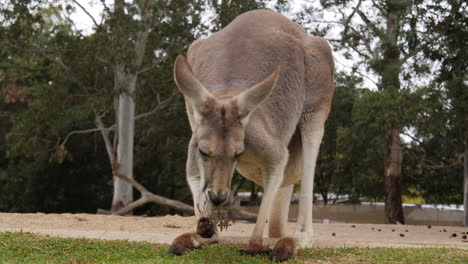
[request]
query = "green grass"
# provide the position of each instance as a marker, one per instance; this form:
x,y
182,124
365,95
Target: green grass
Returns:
x,y
31,248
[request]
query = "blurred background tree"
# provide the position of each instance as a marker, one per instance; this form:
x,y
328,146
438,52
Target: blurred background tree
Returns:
x,y
388,40
55,79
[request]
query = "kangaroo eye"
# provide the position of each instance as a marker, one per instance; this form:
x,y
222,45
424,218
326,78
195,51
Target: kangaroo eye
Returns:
x,y
204,154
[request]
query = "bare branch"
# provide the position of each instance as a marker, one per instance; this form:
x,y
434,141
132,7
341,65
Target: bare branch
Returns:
x,y
326,21
371,25
56,61
355,32
147,68
135,204
59,16
379,7
150,197
134,183
348,19
428,163
360,52
85,132
417,49
105,136
160,106
409,55
140,45
37,51
412,137
105,130
358,72
87,13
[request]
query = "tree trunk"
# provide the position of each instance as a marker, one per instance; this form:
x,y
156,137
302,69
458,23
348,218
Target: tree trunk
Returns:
x,y
393,203
324,197
125,80
465,200
125,84
391,85
253,192
123,192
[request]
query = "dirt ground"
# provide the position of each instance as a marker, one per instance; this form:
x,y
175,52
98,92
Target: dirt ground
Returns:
x,y
165,229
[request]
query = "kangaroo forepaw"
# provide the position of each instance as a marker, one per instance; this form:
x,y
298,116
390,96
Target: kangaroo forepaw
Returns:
x,y
183,243
284,249
255,248
206,234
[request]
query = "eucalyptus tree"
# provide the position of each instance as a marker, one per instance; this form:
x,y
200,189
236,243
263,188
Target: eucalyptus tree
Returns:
x,y
91,80
447,24
386,39
226,10
48,90
131,46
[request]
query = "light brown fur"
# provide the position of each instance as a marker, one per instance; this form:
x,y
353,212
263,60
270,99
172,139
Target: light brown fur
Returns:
x,y
257,94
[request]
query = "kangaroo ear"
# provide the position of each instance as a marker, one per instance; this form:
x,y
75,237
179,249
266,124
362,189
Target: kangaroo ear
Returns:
x,y
253,96
188,84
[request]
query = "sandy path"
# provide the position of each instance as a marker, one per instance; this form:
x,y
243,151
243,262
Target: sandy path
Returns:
x,y
165,229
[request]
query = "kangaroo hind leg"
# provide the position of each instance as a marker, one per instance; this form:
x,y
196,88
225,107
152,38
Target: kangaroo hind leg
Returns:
x,y
311,135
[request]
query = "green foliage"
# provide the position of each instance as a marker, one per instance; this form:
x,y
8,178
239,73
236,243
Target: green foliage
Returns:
x,y
330,176
54,80
362,162
68,79
440,127
400,42
227,10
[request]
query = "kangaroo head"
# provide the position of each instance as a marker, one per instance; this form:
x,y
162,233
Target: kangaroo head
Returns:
x,y
218,130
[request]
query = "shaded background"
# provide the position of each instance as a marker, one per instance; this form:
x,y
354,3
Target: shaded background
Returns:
x,y
55,77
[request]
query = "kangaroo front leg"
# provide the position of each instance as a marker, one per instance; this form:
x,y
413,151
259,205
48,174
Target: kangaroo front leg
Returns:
x,y
311,135
272,181
195,182
206,231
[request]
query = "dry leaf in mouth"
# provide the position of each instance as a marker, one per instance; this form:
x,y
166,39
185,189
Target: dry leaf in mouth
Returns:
x,y
221,217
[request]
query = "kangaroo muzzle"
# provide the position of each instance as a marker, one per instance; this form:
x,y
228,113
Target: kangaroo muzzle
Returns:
x,y
217,196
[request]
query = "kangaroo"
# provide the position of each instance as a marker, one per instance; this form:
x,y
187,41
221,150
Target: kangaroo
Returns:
x,y
257,95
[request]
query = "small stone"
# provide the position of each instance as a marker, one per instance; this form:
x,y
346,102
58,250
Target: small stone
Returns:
x,y
454,235
402,235
464,236
333,234
372,228
393,230
444,230
379,230
429,226
406,230
353,226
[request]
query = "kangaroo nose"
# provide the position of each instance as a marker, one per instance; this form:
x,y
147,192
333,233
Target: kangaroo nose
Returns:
x,y
218,196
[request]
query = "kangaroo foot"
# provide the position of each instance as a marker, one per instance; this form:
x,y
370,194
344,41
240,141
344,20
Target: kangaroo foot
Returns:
x,y
255,248
284,249
255,252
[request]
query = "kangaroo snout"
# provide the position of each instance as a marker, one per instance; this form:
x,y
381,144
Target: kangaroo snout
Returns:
x,y
217,196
